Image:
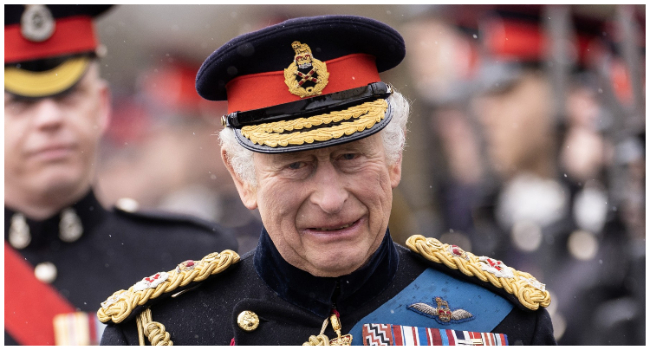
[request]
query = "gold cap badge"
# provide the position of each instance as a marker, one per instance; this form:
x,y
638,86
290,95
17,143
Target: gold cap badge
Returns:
x,y
37,23
305,76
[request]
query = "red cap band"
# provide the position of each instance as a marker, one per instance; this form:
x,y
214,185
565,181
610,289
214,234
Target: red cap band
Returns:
x,y
263,90
515,39
72,35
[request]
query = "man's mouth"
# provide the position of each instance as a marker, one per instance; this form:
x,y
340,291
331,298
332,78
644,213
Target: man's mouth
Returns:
x,y
336,227
53,152
333,228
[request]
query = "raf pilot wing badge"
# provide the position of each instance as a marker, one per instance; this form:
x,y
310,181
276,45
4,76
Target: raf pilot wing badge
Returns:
x,y
441,313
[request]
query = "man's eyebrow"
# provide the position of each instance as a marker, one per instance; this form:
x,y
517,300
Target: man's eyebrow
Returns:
x,y
352,147
18,98
359,145
284,157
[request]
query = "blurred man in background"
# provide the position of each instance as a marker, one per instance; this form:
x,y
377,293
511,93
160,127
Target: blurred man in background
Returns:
x,y
63,250
545,192
161,150
550,146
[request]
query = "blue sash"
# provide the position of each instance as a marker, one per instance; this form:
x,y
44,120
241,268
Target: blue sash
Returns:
x,y
486,308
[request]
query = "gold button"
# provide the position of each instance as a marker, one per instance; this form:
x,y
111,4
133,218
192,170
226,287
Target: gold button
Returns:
x,y
248,321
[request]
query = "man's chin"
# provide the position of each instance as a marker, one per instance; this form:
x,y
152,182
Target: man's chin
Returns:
x,y
333,264
60,185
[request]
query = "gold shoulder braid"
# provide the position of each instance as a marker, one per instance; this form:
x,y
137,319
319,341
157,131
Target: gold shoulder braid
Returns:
x,y
121,304
530,292
154,331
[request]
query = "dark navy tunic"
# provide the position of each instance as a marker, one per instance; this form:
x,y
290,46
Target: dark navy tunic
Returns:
x,y
115,249
292,304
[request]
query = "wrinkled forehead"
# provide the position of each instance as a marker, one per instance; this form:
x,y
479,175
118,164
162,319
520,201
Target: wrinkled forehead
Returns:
x,y
368,145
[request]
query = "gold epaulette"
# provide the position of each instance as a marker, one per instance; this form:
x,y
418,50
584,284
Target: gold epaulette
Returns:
x,y
531,293
121,304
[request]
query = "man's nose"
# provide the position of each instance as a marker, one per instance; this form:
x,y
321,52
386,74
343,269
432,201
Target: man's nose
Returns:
x,y
48,114
330,194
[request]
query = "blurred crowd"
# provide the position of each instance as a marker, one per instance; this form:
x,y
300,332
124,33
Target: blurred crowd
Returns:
x,y
540,119
527,141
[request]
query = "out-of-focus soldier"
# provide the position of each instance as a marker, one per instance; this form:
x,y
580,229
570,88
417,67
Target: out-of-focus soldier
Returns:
x,y
63,250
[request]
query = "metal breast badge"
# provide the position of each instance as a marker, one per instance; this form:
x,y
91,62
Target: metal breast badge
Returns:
x,y
305,76
441,312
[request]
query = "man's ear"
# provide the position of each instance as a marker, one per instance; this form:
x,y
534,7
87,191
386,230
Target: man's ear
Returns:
x,y
395,172
104,107
246,192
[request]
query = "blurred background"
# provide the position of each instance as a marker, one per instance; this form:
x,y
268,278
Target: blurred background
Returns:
x,y
526,141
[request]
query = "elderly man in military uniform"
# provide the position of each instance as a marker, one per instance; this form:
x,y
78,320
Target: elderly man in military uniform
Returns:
x,y
63,250
320,163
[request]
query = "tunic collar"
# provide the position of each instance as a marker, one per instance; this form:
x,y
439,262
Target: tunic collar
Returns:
x,y
322,294
43,232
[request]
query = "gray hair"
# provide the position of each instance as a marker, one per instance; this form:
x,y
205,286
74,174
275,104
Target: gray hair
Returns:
x,y
393,135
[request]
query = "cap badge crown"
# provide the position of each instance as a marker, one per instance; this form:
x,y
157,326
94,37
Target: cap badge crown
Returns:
x,y
305,76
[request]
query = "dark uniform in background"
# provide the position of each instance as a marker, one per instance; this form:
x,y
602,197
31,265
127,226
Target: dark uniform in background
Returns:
x,y
115,247
429,294
59,269
549,201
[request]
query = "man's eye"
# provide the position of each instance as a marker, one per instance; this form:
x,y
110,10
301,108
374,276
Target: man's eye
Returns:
x,y
348,156
296,165
70,96
18,104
